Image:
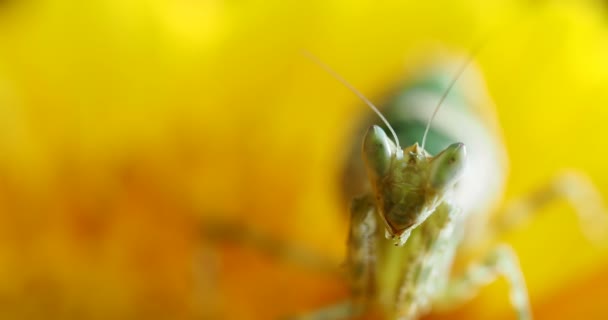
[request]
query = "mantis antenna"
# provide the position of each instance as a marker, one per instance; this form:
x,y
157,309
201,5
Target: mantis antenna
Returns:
x,y
355,91
460,71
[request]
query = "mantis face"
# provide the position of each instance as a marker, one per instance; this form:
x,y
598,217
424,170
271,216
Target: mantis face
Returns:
x,y
408,184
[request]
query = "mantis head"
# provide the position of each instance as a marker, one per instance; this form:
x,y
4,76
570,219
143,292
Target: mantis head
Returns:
x,y
408,184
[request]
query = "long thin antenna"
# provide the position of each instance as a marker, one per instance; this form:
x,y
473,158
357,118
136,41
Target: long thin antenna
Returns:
x,y
355,91
449,88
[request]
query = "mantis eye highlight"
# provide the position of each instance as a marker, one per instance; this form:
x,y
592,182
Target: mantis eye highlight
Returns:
x,y
448,166
378,151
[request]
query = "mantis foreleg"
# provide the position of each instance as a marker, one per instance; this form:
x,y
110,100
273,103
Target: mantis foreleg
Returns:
x,y
501,261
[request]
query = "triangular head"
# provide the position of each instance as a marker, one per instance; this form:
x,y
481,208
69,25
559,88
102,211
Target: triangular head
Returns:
x,y
408,184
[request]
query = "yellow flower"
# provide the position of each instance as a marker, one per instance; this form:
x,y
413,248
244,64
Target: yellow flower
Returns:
x,y
125,124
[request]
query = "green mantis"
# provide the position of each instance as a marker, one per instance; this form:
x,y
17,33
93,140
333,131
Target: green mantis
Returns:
x,y
414,209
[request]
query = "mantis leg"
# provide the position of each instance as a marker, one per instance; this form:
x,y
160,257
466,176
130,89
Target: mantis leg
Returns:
x,y
221,232
501,261
361,254
574,187
360,261
343,310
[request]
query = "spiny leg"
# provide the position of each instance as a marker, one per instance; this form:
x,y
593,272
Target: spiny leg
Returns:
x,y
360,261
501,261
361,253
426,265
572,186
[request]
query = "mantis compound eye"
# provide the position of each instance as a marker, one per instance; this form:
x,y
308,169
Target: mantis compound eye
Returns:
x,y
448,166
378,151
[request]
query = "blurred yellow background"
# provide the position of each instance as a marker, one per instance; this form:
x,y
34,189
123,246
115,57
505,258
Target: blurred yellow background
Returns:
x,y
125,124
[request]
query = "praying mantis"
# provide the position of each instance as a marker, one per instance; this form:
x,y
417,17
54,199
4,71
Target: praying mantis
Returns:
x,y
415,209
